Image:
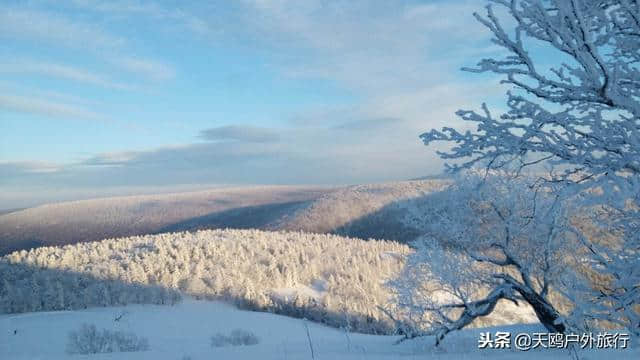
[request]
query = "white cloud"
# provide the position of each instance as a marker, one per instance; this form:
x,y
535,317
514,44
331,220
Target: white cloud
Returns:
x,y
357,144
149,9
25,168
116,6
370,46
151,69
32,105
54,28
60,71
7,87
71,29
111,159
240,133
400,58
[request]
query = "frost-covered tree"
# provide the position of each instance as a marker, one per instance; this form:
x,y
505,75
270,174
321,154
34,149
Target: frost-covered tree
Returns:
x,y
581,111
254,269
574,105
487,239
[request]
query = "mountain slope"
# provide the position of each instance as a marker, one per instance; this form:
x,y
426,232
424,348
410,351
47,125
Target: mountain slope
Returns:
x,y
90,220
364,211
184,331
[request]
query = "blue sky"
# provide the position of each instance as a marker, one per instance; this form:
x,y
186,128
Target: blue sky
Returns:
x,y
114,96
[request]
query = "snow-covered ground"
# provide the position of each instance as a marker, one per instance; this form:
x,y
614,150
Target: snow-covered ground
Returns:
x,y
183,331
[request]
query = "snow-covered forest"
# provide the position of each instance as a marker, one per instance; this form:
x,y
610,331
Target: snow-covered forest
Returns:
x,y
326,278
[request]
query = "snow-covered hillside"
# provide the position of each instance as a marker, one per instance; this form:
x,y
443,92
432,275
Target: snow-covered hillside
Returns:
x,y
89,220
362,211
184,331
325,278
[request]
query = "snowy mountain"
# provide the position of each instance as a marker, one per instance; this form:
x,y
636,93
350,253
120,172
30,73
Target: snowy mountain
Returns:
x,y
358,211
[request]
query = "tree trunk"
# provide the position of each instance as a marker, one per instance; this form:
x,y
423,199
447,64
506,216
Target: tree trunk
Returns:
x,y
546,313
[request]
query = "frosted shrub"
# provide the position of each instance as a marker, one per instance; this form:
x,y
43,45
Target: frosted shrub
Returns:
x,y
88,340
238,337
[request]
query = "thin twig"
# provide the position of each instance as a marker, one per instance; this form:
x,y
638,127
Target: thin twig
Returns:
x,y
304,321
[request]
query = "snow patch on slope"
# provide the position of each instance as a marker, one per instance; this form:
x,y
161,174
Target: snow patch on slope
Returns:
x,y
316,291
